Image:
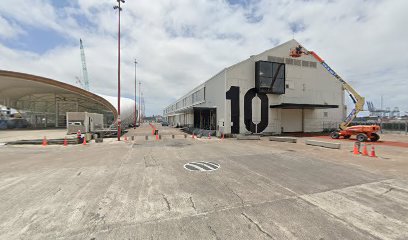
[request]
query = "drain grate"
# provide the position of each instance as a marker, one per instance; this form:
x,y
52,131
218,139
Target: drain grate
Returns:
x,y
201,166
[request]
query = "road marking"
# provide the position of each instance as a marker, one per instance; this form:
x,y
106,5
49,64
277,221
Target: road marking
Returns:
x,y
201,166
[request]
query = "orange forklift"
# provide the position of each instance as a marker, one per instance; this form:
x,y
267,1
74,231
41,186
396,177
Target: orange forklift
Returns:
x,y
362,132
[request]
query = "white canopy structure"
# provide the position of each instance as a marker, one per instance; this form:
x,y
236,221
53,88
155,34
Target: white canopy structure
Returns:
x,y
43,102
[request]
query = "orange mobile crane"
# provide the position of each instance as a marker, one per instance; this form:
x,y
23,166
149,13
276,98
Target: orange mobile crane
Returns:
x,y
362,132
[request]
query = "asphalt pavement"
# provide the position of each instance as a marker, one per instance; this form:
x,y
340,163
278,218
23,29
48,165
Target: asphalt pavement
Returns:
x,y
141,190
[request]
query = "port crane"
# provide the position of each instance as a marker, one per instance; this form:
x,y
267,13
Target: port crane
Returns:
x,y
362,132
84,68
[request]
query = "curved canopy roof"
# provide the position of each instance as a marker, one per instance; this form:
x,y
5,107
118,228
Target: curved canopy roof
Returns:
x,y
16,89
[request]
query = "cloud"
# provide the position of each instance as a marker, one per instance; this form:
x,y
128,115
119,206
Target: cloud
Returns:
x,y
180,44
9,30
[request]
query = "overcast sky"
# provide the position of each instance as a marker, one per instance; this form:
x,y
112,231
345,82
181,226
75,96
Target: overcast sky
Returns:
x,y
181,43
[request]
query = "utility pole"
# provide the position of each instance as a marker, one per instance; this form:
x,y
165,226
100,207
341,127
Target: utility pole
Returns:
x,y
134,122
119,120
140,116
143,104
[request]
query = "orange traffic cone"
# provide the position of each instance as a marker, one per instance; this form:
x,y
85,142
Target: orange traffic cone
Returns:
x,y
192,136
355,150
65,142
209,135
125,138
44,141
365,152
372,152
84,142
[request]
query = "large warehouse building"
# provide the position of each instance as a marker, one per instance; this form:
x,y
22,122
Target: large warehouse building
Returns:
x,y
29,101
267,93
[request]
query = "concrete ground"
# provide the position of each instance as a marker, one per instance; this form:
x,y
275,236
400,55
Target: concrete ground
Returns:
x,y
262,190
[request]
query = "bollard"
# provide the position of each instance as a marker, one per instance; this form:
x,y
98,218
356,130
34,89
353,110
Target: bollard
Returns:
x,y
44,141
160,137
172,136
133,138
146,137
185,135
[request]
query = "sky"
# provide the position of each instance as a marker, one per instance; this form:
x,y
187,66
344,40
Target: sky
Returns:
x,y
180,44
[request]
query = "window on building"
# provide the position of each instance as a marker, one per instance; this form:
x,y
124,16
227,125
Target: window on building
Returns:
x,y
297,62
270,77
289,61
276,59
313,64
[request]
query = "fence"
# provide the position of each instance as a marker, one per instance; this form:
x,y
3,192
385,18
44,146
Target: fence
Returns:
x,y
395,127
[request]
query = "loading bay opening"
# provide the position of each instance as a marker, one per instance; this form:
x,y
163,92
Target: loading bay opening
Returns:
x,y
205,118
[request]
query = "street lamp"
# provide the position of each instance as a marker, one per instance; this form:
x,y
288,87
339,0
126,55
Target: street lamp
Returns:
x,y
140,106
118,120
134,122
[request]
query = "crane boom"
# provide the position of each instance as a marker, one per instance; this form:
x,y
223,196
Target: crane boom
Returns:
x,y
84,68
357,99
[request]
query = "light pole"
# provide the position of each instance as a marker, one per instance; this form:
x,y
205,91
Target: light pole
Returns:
x,y
134,122
140,109
118,120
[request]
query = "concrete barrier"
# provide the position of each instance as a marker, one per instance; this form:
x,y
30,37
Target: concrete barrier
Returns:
x,y
283,139
159,136
323,144
248,137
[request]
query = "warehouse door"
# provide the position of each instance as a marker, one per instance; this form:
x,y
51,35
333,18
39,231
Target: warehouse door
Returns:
x,y
205,118
292,120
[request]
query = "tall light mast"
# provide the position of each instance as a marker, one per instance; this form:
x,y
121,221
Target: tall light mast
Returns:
x,y
143,106
84,69
117,7
135,116
140,106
